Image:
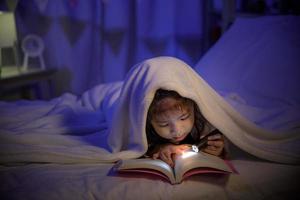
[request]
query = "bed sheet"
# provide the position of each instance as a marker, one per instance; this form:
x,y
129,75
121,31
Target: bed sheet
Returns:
x,y
257,179
64,135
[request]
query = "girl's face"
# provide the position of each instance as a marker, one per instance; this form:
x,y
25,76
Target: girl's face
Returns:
x,y
173,123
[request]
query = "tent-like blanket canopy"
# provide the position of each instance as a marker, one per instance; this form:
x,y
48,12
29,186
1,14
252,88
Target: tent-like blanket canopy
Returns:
x,y
107,122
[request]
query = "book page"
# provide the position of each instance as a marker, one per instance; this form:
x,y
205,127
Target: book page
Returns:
x,y
192,160
147,163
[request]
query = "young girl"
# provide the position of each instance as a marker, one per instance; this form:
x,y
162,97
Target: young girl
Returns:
x,y
173,124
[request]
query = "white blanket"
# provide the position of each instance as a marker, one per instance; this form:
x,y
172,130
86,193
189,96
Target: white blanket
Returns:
x,y
172,74
107,123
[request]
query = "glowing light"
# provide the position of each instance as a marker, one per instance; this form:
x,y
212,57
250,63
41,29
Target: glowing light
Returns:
x,y
195,148
188,154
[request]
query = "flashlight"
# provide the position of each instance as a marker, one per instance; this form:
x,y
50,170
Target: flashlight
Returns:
x,y
203,141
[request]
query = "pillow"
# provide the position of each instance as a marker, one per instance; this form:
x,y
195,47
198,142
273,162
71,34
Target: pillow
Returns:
x,y
257,59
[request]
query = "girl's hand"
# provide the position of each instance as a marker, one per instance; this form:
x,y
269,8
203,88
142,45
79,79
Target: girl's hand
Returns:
x,y
167,152
215,145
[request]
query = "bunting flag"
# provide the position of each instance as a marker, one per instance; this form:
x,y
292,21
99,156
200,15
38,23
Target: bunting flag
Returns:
x,y
37,23
157,46
11,5
114,39
73,3
42,5
192,46
105,1
72,28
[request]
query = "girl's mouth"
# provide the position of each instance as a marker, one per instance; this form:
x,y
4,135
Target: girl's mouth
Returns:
x,y
178,139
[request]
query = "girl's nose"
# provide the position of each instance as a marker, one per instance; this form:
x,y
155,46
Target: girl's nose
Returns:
x,y
175,130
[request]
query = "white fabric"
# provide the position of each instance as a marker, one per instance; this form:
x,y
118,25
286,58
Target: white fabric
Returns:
x,y
128,128
108,122
68,129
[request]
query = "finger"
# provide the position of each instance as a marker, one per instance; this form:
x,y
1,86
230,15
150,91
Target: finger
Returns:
x,y
167,158
215,137
155,155
211,152
178,151
212,148
218,143
182,149
173,159
218,150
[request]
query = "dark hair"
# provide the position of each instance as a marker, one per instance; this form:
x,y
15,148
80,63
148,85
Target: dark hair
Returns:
x,y
152,137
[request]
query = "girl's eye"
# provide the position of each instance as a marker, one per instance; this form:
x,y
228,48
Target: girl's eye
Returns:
x,y
163,125
185,117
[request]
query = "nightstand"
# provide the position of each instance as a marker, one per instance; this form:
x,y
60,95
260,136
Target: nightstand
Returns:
x,y
33,83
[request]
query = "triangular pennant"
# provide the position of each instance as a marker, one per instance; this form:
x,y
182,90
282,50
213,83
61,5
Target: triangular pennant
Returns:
x,y
72,28
157,46
73,3
114,38
37,23
11,4
41,4
193,46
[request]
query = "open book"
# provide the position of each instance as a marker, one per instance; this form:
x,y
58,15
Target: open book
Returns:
x,y
188,164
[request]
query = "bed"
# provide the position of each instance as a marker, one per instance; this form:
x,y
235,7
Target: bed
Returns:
x,y
44,155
